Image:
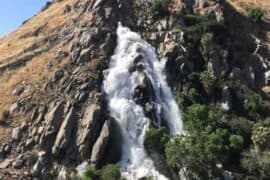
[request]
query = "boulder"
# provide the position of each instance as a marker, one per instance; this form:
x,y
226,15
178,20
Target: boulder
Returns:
x,y
17,134
53,122
84,55
101,143
64,134
41,163
89,129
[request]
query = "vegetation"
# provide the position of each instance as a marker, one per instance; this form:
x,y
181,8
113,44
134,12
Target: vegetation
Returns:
x,y
155,139
108,172
158,7
255,14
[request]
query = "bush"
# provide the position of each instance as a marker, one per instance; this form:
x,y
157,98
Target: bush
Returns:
x,y
90,173
208,81
199,118
190,152
237,142
260,136
155,139
110,172
252,105
158,7
257,164
255,14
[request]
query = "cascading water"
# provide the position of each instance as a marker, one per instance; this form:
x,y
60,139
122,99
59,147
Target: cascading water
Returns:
x,y
119,85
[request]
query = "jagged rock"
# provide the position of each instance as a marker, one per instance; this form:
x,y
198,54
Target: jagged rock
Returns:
x,y
236,73
53,122
18,164
249,76
63,174
58,75
101,143
60,55
41,163
217,64
6,163
18,90
88,132
17,134
65,131
84,56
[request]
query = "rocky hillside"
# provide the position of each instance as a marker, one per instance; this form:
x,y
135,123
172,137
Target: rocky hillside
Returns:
x,y
54,119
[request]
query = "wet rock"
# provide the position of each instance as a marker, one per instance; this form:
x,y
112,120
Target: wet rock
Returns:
x,y
64,134
226,100
89,129
101,143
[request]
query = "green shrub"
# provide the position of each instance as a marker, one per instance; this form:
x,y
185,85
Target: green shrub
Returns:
x,y
158,7
110,172
260,136
199,118
182,100
256,164
90,173
253,102
190,152
236,142
155,139
241,126
208,81
255,14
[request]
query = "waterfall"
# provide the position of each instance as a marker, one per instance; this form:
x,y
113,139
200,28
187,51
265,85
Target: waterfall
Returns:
x,y
133,63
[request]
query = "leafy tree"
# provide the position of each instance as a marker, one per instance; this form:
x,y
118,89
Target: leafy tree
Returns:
x,y
253,103
155,139
199,117
191,152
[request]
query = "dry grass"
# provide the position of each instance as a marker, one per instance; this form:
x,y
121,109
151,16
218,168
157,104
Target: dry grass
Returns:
x,y
52,18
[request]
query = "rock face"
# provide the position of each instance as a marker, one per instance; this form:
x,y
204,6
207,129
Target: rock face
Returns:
x,y
89,128
53,122
99,147
64,133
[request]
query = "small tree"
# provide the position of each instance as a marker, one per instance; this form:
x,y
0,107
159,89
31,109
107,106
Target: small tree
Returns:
x,y
236,142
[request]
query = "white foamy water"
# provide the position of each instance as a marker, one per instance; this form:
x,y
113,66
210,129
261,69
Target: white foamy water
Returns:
x,y
119,85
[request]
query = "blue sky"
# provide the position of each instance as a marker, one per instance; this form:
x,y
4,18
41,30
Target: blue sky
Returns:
x,y
14,12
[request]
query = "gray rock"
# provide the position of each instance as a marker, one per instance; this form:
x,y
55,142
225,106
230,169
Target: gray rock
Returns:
x,y
18,164
53,122
58,75
6,163
88,130
64,134
101,143
41,163
17,134
84,55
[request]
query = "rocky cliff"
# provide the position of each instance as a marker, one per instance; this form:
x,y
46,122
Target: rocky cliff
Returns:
x,y
54,114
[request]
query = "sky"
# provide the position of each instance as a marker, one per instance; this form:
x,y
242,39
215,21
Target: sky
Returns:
x,y
14,12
